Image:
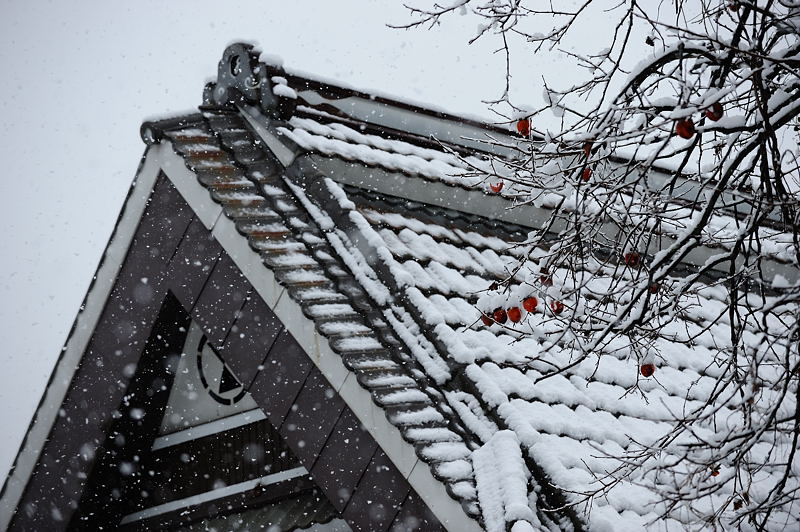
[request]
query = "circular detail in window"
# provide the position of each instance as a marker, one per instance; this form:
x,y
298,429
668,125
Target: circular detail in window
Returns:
x,y
217,379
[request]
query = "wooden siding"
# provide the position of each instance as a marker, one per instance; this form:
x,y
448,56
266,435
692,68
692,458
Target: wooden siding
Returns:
x,y
378,496
222,298
120,473
251,336
338,472
284,372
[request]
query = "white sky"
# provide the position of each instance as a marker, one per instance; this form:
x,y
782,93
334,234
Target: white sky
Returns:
x,y
78,78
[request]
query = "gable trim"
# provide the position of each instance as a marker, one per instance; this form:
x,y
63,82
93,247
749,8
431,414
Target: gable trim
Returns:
x,y
278,148
79,336
449,512
209,496
209,428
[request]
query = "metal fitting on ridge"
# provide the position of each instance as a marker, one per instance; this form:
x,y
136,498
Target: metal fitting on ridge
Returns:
x,y
241,78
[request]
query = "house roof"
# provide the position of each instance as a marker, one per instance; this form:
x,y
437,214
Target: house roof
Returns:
x,y
373,216
390,243
295,247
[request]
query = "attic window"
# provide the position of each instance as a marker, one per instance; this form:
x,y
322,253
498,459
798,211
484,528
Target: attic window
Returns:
x,y
204,389
217,450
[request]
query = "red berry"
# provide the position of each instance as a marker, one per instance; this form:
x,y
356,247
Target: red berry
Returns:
x,y
496,187
587,148
632,259
714,472
486,319
546,279
586,174
714,112
685,128
647,370
557,306
499,315
654,288
514,314
524,127
530,303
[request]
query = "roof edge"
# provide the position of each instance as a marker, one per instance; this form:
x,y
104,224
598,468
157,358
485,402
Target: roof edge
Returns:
x,y
78,338
152,130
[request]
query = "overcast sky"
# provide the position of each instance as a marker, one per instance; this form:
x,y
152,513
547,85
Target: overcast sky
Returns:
x,y
78,78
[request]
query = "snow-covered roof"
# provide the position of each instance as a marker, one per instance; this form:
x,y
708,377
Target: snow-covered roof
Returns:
x,y
432,270
400,284
575,426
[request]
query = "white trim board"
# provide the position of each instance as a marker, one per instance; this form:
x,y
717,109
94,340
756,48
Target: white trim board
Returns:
x,y
212,495
85,323
401,453
256,121
207,429
162,157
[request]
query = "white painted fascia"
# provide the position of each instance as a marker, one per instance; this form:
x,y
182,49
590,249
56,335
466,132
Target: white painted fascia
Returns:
x,y
388,437
207,429
81,333
260,125
163,157
205,208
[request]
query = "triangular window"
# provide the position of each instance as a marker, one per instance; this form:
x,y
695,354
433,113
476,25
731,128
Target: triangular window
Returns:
x,y
214,463
204,390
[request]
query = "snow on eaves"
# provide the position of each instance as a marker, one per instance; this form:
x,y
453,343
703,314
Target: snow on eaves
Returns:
x,y
576,425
